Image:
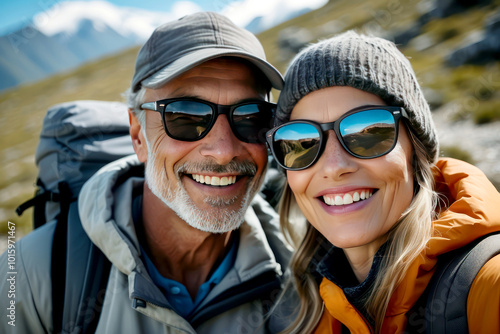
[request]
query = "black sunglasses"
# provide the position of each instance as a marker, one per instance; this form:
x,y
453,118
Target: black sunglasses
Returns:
x,y
366,132
190,119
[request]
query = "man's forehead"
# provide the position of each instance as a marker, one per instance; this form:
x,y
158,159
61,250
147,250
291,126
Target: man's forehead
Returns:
x,y
223,68
209,75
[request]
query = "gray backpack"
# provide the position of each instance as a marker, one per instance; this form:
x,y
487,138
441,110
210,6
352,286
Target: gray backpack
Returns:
x,y
77,139
442,308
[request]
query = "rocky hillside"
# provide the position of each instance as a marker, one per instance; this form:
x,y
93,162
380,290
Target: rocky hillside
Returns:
x,y
452,44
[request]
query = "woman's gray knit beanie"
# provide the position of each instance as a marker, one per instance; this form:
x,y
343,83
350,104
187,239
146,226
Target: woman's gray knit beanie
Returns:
x,y
371,64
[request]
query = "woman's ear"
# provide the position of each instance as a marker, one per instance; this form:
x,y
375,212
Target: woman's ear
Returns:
x,y
137,135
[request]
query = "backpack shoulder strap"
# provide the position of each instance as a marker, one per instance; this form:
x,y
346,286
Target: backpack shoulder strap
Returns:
x,y
58,262
446,309
77,305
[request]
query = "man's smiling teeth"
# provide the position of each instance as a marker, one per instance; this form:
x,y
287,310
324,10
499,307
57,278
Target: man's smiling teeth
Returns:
x,y
214,180
348,198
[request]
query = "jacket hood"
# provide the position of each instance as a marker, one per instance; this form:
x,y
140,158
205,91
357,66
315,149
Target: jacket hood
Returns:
x,y
105,206
472,212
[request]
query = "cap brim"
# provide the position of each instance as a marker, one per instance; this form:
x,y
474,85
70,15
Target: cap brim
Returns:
x,y
197,57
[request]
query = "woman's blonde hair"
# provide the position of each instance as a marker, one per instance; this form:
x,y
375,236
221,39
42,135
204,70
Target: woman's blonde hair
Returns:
x,y
406,240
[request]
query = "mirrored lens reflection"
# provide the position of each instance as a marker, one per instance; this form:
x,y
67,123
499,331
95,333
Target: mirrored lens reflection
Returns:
x,y
368,133
187,119
251,123
296,145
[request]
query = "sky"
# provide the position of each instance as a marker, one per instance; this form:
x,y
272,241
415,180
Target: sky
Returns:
x,y
15,14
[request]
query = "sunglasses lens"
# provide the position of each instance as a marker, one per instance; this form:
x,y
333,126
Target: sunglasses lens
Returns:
x,y
252,121
187,120
296,145
368,133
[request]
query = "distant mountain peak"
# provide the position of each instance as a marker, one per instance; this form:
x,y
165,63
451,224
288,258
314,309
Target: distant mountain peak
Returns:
x,y
74,32
68,18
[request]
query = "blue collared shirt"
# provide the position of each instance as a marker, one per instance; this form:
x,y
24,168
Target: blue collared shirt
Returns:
x,y
178,295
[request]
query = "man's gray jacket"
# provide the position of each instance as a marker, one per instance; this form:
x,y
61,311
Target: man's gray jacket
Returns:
x,y
132,303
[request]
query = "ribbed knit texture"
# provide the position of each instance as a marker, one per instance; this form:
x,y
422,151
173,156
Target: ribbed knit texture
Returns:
x,y
371,64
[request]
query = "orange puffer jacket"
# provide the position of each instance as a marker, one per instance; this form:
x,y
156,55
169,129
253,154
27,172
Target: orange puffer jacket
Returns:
x,y
474,212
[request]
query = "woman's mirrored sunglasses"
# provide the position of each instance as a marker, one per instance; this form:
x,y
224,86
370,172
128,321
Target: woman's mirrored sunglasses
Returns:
x,y
190,119
366,133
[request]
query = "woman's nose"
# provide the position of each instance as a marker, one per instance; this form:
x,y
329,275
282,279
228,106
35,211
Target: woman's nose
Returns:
x,y
335,160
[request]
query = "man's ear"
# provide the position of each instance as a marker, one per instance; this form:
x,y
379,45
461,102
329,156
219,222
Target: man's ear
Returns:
x,y
138,140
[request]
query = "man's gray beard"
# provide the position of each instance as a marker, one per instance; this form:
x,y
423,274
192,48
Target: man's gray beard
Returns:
x,y
219,220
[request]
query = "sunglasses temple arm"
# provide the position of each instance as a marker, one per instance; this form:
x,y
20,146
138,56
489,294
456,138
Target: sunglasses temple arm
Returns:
x,y
149,106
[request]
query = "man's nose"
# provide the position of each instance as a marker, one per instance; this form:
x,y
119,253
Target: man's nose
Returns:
x,y
221,144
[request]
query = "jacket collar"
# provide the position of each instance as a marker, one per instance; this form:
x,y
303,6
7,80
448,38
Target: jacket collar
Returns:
x,y
105,210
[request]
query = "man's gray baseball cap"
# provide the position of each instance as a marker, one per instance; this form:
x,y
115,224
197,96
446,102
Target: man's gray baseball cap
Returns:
x,y
180,45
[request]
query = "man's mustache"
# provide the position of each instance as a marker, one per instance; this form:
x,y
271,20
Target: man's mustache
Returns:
x,y
233,167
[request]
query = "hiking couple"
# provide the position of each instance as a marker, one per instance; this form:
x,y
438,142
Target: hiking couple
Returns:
x,y
192,247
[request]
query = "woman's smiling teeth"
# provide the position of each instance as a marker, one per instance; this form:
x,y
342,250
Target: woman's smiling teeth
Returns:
x,y
348,198
214,180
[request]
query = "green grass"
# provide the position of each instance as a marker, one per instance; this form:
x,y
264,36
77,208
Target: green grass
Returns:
x,y
488,112
457,153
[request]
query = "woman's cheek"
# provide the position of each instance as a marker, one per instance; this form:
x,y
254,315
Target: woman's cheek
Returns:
x,y
300,183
